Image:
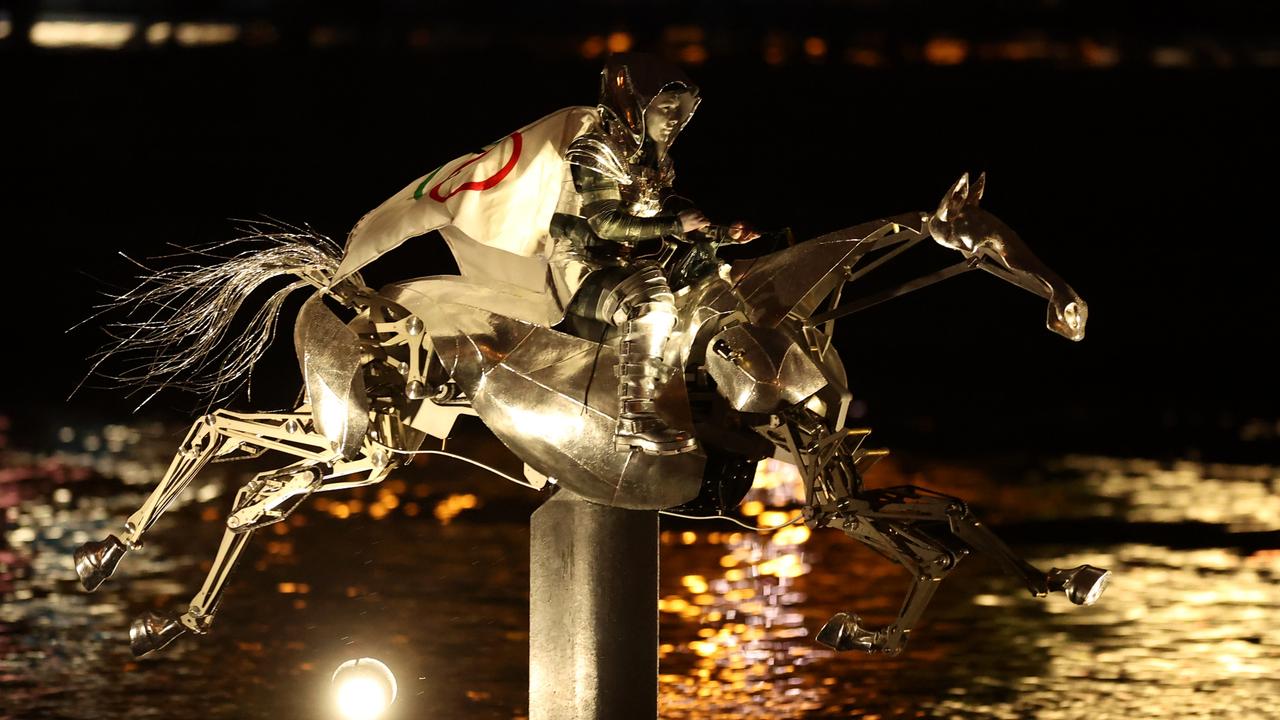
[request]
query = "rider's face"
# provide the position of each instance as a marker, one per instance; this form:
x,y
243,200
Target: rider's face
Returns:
x,y
663,116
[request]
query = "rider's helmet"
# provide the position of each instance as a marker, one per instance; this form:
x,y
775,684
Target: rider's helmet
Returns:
x,y
629,85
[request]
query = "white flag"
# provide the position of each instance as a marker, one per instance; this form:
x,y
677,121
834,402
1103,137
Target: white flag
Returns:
x,y
502,197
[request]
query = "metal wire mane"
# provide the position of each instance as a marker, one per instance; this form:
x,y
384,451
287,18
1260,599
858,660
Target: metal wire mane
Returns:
x,y
178,327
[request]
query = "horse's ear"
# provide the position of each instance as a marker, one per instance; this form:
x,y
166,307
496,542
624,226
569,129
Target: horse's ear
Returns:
x,y
975,192
954,199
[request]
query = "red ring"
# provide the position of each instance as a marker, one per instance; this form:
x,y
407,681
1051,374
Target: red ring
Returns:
x,y
485,184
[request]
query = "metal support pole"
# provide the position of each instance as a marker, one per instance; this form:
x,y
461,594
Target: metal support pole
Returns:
x,y
593,612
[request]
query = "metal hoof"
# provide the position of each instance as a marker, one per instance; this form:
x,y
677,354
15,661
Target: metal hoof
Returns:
x,y
152,631
95,561
1083,585
845,632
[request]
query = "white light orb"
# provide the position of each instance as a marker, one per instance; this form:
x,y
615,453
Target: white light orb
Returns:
x,y
363,688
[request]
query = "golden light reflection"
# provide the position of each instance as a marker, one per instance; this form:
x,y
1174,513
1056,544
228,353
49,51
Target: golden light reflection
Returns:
x,y
195,34
745,650
449,508
592,48
946,51
775,52
695,583
693,54
99,34
1181,633
619,42
864,57
159,33
815,48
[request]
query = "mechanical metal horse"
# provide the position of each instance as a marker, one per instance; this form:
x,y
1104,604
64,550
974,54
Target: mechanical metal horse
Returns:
x,y
760,378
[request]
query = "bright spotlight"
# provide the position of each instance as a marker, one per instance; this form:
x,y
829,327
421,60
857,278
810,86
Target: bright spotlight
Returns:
x,y
363,688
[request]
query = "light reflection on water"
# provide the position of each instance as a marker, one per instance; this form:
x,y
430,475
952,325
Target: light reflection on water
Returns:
x,y
429,572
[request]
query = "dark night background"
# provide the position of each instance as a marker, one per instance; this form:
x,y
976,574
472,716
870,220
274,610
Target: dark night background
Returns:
x,y
1131,152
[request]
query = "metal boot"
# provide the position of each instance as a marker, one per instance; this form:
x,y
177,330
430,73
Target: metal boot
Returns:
x,y
644,307
639,424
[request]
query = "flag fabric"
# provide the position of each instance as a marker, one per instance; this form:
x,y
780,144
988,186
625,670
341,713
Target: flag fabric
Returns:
x,y
502,197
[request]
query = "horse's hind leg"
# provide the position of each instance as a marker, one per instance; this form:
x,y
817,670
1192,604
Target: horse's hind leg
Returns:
x,y
213,435
152,631
267,499
96,561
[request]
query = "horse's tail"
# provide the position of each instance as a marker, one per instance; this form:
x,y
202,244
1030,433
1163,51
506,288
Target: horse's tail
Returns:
x,y
179,327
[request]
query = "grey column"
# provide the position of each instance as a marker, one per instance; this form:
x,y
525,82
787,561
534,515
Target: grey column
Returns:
x,y
593,612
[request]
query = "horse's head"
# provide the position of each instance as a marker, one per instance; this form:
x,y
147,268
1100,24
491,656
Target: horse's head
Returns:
x,y
961,225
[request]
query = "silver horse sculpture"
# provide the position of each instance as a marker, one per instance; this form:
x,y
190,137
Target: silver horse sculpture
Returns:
x,y
760,379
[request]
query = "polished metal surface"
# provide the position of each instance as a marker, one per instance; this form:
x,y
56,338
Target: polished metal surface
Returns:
x,y
1083,585
961,225
629,84
649,308
845,632
701,311
796,280
756,334
553,399
593,625
599,153
152,631
329,355
606,417
926,532
761,370
96,561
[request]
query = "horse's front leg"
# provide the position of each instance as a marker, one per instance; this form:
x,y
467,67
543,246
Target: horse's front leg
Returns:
x,y
1082,585
929,533
927,558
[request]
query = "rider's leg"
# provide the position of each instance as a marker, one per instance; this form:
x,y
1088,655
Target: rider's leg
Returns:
x,y
644,308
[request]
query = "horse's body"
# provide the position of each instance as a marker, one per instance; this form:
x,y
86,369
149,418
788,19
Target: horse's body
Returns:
x,y
757,376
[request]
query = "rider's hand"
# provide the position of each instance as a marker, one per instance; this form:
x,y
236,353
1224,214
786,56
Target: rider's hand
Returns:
x,y
739,232
691,220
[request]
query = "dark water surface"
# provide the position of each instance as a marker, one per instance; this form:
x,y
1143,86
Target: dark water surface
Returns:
x,y
429,572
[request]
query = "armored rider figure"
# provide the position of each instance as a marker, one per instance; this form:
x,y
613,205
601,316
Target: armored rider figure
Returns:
x,y
617,196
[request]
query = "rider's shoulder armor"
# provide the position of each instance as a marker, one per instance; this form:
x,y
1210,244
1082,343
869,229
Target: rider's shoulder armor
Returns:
x,y
598,152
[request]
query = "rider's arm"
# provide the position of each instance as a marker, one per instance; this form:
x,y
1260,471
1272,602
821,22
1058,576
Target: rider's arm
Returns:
x,y
602,207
